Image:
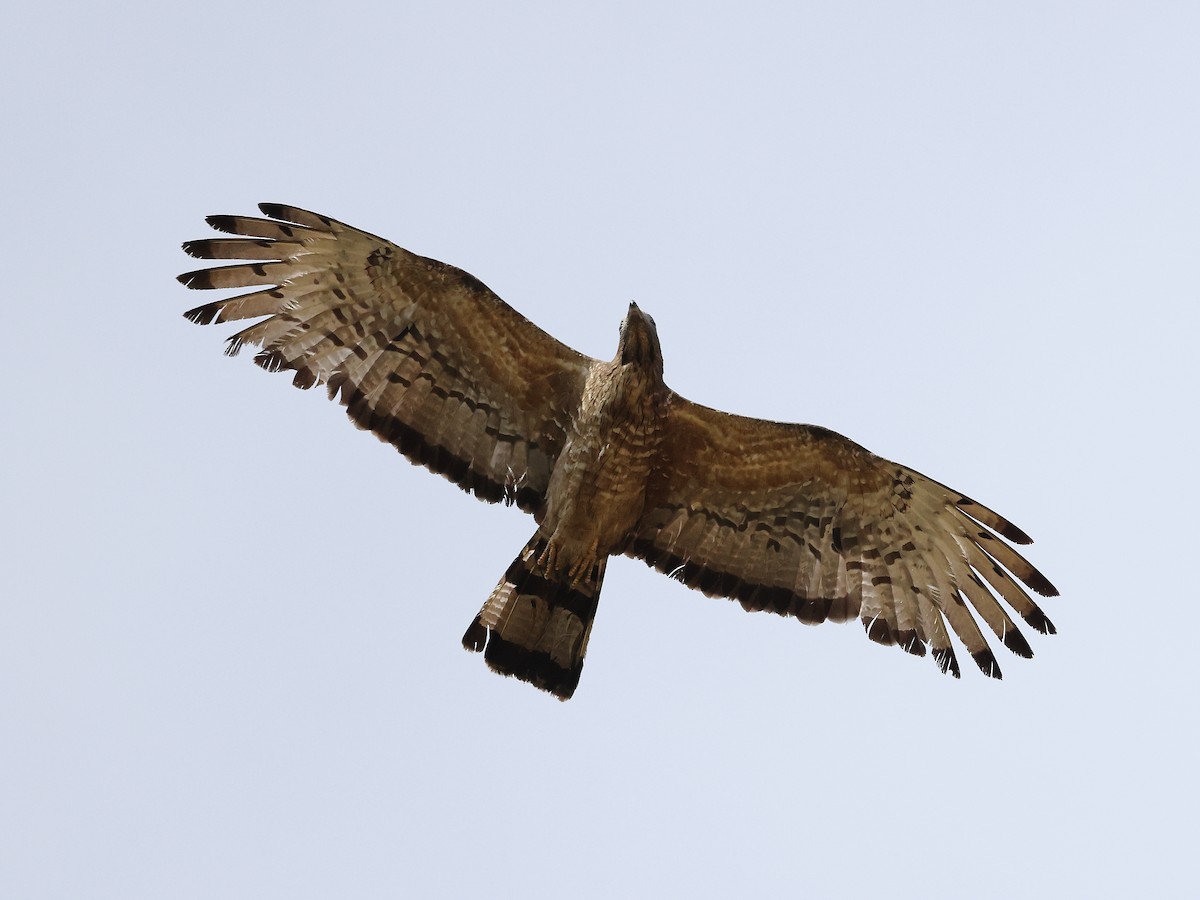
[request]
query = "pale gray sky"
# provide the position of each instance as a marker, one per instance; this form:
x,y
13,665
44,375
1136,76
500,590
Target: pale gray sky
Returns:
x,y
964,234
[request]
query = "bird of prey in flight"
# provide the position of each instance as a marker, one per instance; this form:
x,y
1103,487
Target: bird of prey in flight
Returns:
x,y
791,519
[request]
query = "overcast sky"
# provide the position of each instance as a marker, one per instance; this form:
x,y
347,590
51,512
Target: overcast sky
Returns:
x,y
964,234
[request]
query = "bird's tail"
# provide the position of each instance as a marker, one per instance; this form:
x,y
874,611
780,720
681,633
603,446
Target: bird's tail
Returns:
x,y
536,623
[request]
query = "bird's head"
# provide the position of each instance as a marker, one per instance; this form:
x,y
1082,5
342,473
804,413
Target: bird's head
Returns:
x,y
639,341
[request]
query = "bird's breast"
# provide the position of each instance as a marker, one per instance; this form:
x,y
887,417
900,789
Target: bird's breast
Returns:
x,y
597,489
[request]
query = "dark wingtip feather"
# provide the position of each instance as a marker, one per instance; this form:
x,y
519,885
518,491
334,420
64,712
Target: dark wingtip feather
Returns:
x,y
305,378
1040,621
1015,534
1040,583
295,215
879,631
227,224
198,280
1015,641
947,661
986,660
272,360
910,643
336,382
204,315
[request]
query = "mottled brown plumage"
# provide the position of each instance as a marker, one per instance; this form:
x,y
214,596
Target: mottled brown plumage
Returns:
x,y
792,519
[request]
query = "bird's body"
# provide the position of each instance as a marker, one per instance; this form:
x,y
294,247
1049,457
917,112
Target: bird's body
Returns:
x,y
598,486
596,497
792,519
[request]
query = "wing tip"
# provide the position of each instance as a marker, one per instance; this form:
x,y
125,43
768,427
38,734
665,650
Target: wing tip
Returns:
x,y
910,642
198,280
1014,534
225,223
1040,583
271,359
1015,641
946,661
986,660
295,215
878,630
992,519
275,210
204,315
1039,620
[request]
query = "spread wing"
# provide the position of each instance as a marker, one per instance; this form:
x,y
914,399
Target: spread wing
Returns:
x,y
800,521
422,354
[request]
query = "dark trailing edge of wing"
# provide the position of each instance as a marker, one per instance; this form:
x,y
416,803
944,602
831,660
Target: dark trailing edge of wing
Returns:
x,y
432,456
784,602
754,597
